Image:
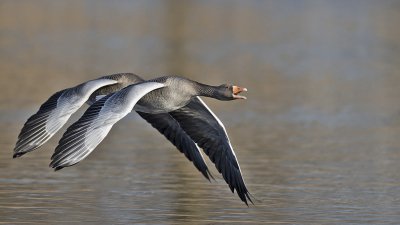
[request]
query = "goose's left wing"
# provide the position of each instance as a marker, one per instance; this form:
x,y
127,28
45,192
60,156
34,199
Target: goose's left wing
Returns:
x,y
53,114
204,128
171,129
82,137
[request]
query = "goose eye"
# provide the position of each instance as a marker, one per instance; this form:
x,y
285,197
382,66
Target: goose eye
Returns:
x,y
226,87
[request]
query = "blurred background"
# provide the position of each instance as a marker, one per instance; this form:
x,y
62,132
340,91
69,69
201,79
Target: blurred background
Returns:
x,y
317,138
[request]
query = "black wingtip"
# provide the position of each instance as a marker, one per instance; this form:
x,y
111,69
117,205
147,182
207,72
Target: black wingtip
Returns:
x,y
207,174
58,168
253,198
18,154
212,175
249,196
245,201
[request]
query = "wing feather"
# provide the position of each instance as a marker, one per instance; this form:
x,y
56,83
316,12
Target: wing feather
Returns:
x,y
82,137
204,128
171,129
53,114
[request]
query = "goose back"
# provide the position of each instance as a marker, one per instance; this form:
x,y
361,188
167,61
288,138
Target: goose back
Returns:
x,y
124,80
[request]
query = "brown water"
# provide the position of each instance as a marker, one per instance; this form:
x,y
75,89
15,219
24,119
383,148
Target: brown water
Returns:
x,y
318,138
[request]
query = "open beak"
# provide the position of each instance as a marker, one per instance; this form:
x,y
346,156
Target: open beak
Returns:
x,y
236,91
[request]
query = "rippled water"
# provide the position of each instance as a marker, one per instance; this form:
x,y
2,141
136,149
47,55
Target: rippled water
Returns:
x,y
317,139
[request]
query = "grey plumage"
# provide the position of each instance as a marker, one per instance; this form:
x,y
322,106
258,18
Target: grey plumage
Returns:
x,y
84,135
123,80
53,114
170,104
34,133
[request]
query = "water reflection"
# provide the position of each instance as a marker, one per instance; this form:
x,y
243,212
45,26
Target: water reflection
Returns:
x,y
317,138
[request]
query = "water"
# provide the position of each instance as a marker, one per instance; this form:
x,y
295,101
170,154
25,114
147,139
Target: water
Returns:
x,y
317,139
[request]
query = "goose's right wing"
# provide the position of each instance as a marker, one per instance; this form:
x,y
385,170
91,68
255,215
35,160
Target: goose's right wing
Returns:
x,y
171,129
83,136
53,114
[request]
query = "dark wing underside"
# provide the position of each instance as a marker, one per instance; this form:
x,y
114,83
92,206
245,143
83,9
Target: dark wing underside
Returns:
x,y
204,128
171,129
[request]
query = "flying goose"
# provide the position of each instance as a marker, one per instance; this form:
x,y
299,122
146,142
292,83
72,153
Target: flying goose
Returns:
x,y
170,104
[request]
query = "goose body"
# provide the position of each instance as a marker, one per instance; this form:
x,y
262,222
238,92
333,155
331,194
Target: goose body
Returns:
x,y
170,104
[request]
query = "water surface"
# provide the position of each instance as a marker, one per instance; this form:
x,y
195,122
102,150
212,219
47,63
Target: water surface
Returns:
x,y
317,139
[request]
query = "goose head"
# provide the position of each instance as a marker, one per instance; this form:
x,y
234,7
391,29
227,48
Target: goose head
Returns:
x,y
228,92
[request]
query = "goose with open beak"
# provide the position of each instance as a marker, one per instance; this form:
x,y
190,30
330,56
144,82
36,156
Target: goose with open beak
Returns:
x,y
170,104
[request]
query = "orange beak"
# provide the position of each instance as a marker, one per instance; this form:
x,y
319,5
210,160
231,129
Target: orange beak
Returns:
x,y
237,90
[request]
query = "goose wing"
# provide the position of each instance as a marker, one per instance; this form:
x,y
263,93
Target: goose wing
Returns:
x,y
171,129
83,136
53,114
204,128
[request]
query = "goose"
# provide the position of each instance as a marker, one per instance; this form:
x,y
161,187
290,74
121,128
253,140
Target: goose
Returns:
x,y
171,104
